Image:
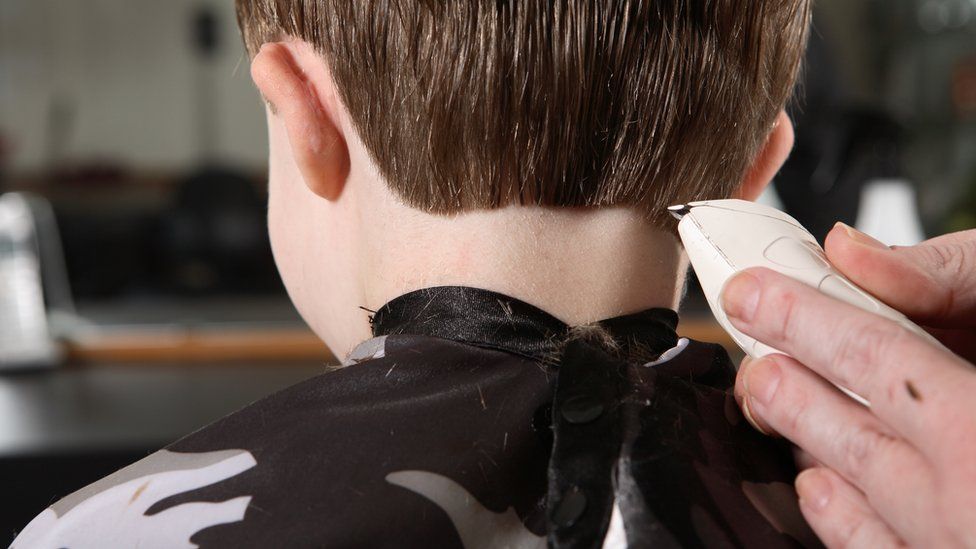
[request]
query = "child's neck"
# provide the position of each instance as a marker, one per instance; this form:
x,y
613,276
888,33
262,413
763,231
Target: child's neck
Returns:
x,y
578,265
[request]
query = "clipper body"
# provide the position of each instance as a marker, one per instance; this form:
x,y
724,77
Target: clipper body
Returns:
x,y
724,237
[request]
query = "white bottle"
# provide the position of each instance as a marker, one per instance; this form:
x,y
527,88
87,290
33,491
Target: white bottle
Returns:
x,y
25,340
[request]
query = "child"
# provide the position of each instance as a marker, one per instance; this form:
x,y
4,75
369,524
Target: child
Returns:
x,y
467,199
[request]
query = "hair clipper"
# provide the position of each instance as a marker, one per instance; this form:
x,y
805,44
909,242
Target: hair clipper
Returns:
x,y
724,237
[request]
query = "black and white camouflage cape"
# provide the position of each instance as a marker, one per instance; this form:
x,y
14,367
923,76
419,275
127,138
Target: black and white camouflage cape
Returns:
x,y
471,420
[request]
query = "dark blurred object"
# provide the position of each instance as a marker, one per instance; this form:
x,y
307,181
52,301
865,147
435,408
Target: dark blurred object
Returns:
x,y
206,32
205,29
838,149
823,181
130,236
215,238
811,185
109,252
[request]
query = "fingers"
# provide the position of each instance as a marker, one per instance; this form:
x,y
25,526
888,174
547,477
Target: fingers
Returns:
x,y
911,384
839,514
931,282
787,398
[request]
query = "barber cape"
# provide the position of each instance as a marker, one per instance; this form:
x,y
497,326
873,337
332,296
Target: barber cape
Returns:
x,y
471,420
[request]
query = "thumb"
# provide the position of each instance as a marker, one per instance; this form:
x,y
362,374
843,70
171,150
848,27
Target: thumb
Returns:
x,y
933,283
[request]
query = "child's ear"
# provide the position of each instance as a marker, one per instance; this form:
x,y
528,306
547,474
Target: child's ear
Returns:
x,y
769,160
297,85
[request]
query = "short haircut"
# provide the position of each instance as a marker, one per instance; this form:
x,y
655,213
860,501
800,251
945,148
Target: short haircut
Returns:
x,y
478,104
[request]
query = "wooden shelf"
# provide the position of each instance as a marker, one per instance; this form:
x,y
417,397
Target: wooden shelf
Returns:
x,y
147,345
200,346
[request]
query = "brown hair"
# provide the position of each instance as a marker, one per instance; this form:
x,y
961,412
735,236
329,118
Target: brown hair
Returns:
x,y
468,104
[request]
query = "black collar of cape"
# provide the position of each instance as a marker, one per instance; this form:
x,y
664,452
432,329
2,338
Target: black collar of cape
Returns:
x,y
495,321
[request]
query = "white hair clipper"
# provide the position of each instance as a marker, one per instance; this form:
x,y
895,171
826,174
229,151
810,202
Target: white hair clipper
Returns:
x,y
724,237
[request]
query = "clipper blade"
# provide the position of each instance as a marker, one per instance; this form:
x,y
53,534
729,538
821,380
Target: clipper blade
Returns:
x,y
679,212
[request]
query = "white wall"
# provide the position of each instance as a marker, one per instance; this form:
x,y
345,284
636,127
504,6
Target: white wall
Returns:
x,y
128,72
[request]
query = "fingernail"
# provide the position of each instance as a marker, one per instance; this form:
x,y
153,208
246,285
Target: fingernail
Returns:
x,y
741,296
814,489
744,366
862,238
747,412
762,380
744,369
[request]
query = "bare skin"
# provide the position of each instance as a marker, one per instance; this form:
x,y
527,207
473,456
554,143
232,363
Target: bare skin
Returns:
x,y
902,473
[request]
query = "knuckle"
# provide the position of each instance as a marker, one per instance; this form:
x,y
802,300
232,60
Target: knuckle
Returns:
x,y
863,348
938,257
861,449
794,417
785,303
951,264
794,420
951,258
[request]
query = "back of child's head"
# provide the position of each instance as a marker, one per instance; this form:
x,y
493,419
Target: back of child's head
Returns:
x,y
471,104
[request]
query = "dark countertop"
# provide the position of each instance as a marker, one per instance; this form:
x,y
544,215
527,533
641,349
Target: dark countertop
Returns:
x,y
120,406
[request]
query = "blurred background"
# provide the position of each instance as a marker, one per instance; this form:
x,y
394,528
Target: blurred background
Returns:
x,y
138,295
